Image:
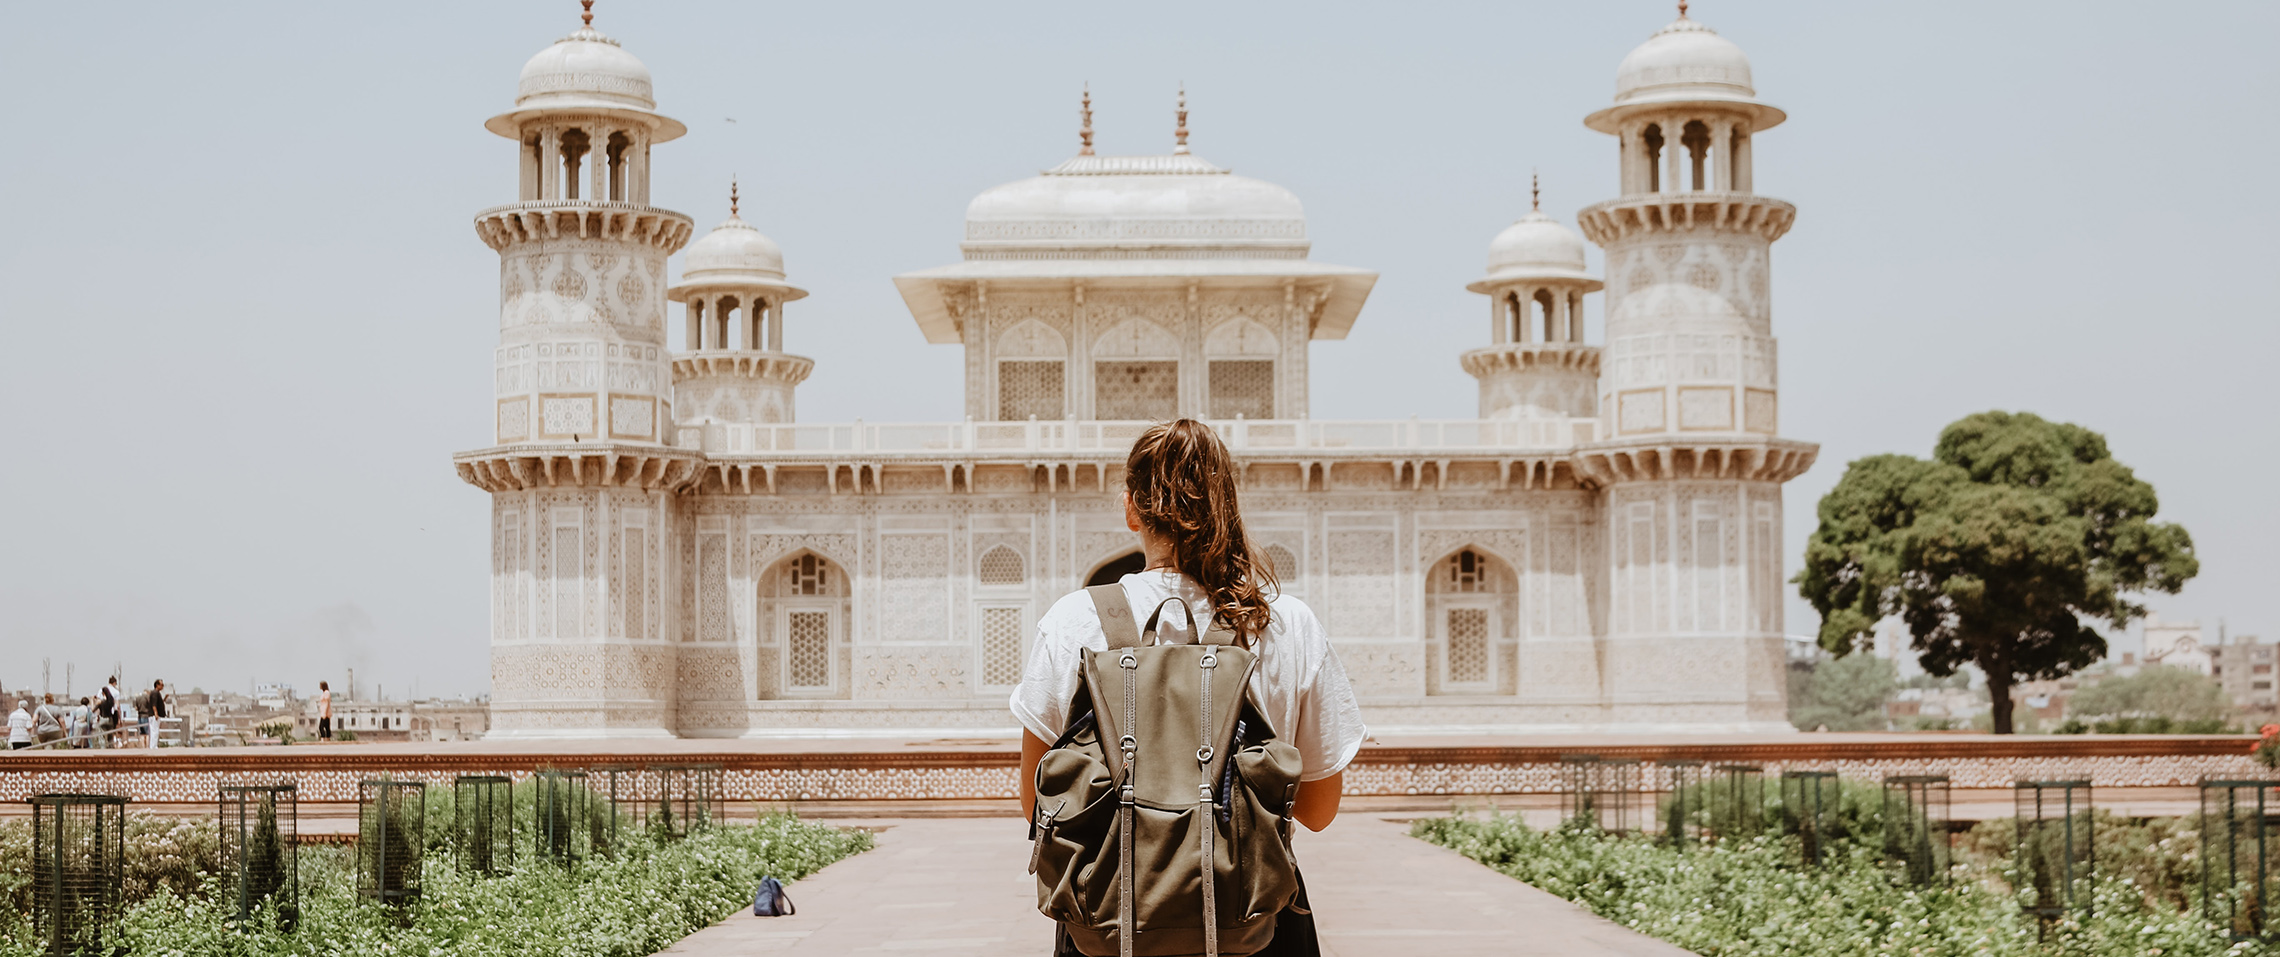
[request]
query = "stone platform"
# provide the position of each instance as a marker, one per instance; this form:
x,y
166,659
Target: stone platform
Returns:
x,y
902,778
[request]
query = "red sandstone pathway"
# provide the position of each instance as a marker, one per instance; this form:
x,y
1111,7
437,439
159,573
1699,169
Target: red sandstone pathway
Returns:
x,y
956,887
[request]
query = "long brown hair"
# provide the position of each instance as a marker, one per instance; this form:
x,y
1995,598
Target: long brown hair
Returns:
x,y
1182,481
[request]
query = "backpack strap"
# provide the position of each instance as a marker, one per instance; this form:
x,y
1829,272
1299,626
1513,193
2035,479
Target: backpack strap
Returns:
x,y
1115,615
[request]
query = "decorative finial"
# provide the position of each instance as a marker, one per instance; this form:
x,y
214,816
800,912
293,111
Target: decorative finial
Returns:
x,y
732,195
1535,192
1084,133
1179,134
1682,9
587,15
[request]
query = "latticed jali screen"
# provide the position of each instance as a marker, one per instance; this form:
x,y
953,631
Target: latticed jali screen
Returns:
x,y
1001,646
1028,388
808,648
1243,387
1468,645
999,566
1136,391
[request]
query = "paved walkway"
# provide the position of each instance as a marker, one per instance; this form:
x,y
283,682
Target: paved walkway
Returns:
x,y
956,887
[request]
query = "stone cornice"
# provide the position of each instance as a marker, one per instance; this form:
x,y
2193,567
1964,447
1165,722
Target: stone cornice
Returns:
x,y
1648,213
514,468
1524,356
504,226
1694,457
777,366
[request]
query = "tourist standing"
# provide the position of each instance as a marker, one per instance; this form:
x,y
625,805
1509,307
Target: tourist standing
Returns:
x,y
324,711
83,723
153,708
47,720
1180,495
20,725
107,699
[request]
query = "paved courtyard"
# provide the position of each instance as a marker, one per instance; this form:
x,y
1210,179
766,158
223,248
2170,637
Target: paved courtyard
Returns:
x,y
956,887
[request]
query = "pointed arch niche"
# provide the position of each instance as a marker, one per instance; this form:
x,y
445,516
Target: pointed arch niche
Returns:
x,y
804,617
1472,609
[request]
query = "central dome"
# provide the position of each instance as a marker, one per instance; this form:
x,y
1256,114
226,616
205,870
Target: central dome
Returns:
x,y
1137,207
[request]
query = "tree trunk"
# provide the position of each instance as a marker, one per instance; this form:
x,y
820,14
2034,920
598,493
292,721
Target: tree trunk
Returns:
x,y
1999,695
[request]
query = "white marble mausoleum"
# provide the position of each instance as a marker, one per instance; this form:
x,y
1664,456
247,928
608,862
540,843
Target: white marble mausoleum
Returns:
x,y
676,553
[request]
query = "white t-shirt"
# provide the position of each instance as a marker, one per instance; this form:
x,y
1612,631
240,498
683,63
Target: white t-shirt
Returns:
x,y
1299,684
20,727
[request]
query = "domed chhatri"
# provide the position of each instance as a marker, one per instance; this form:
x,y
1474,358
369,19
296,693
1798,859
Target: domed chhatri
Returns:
x,y
1685,62
590,72
733,250
1536,364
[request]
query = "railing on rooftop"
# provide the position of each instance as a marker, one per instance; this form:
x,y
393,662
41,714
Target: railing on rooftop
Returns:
x,y
1115,437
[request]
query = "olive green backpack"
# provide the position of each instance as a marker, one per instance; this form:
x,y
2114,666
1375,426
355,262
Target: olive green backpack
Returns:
x,y
1167,763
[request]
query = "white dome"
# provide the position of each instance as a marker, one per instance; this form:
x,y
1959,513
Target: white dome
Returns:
x,y
1685,62
585,71
1536,242
733,247
1094,204
1536,247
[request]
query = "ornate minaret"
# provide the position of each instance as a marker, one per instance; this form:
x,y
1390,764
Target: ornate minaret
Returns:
x,y
1688,460
581,475
1536,366
733,367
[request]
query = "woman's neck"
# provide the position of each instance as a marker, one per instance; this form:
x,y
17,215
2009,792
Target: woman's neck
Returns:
x,y
1158,552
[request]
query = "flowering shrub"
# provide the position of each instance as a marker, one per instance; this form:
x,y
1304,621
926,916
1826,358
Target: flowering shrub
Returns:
x,y
2266,750
630,905
1748,897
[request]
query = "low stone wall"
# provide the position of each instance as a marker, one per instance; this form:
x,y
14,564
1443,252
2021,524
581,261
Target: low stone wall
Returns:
x,y
825,771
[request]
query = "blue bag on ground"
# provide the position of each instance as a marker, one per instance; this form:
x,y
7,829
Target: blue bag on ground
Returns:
x,y
769,899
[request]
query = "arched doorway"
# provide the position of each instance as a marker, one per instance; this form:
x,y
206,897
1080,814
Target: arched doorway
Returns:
x,y
803,600
1470,603
1117,568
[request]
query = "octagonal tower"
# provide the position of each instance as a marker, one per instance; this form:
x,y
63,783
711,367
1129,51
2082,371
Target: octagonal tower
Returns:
x,y
580,471
1691,466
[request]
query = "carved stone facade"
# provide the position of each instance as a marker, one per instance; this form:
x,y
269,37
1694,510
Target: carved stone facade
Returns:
x,y
1599,550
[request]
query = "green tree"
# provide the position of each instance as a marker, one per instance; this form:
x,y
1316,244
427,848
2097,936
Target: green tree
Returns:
x,y
1842,694
2158,691
1999,551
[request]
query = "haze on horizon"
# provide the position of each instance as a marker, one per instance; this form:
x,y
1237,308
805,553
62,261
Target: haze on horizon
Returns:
x,y
249,320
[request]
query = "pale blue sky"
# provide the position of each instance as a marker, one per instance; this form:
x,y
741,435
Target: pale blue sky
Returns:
x,y
248,320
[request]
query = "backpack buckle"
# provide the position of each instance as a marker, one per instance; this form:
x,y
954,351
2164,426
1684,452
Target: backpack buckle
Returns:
x,y
1128,661
1125,796
1208,660
1203,754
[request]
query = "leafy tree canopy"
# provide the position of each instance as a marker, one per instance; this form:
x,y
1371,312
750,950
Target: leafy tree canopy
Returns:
x,y
1842,694
2180,694
1998,551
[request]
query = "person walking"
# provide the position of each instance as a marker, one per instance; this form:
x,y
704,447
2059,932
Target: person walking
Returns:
x,y
20,725
1180,495
47,721
324,710
153,708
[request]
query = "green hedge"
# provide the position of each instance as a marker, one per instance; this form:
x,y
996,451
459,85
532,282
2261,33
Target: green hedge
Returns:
x,y
629,905
1748,897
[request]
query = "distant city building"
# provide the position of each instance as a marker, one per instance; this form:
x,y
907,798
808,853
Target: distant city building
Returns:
x,y
2245,666
2177,644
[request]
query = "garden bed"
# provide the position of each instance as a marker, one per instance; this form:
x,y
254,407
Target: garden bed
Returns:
x,y
1750,897
631,903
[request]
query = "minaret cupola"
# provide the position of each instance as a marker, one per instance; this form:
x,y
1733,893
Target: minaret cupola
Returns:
x,y
1536,365
733,367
